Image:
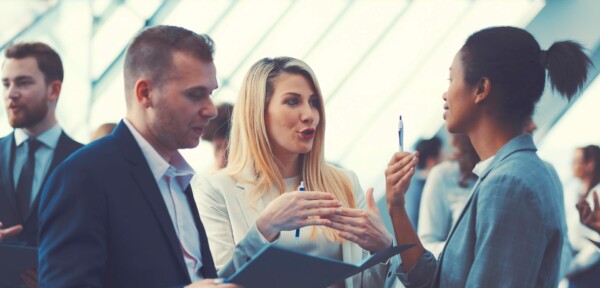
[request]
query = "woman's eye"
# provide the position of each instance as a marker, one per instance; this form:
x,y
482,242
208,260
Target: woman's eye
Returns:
x,y
291,101
315,103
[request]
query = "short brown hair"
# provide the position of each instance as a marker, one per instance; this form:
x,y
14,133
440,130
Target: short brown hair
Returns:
x,y
150,52
47,59
220,126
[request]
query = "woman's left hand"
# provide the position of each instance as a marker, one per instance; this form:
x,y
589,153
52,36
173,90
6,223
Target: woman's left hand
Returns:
x,y
363,227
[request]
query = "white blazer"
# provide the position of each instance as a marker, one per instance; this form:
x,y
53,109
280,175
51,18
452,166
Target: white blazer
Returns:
x,y
230,224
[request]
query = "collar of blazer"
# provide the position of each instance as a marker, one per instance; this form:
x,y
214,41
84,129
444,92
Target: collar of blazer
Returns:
x,y
142,175
520,143
250,210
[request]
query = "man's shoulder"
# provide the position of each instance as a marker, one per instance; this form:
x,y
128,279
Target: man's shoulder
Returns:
x,y
70,141
103,150
6,138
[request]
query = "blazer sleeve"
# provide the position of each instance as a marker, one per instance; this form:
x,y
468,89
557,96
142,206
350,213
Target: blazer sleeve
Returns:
x,y
72,211
215,216
510,234
378,275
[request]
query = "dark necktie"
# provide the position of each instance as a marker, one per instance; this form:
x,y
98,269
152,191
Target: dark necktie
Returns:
x,y
26,178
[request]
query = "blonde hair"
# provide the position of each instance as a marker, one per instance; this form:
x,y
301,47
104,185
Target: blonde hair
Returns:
x,y
251,158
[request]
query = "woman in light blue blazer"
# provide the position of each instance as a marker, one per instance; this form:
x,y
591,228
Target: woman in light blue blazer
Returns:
x,y
509,233
277,141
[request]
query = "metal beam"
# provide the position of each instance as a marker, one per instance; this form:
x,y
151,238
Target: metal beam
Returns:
x,y
159,14
31,26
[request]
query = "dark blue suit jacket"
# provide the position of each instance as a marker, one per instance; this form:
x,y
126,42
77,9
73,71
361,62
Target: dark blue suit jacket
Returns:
x,y
9,214
104,223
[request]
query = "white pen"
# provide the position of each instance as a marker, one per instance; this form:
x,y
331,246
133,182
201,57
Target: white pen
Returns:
x,y
401,134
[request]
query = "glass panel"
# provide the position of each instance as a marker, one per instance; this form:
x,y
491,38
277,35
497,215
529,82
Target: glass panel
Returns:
x,y
242,30
143,8
17,15
289,37
112,37
197,15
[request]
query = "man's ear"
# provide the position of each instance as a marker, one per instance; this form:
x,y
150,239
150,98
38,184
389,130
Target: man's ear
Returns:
x,y
55,88
142,92
482,90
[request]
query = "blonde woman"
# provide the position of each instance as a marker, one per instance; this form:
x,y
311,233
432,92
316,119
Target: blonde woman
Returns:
x,y
276,141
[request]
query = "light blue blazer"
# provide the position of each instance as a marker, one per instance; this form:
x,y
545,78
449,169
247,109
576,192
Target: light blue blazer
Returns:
x,y
509,233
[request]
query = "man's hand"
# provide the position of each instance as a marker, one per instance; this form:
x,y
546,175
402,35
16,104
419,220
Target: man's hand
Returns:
x,y
211,283
30,277
10,231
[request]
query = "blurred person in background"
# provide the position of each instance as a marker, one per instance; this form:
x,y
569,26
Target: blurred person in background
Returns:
x,y
217,133
32,77
430,154
445,194
584,270
102,130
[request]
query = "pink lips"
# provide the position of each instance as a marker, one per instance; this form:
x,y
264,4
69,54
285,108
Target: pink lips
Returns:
x,y
445,110
307,134
14,108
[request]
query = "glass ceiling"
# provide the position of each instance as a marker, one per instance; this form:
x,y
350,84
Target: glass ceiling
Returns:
x,y
374,60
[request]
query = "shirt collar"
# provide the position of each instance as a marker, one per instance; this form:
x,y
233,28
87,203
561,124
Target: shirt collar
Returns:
x,y
482,165
49,138
177,166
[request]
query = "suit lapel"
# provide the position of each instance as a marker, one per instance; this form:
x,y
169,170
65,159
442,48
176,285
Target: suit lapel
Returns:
x,y
141,173
243,200
208,269
6,176
60,153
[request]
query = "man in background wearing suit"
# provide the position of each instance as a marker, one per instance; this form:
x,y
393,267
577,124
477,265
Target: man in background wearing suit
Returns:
x,y
120,212
32,77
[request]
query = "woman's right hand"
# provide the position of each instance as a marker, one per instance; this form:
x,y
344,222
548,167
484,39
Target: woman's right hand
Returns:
x,y
589,217
397,178
296,209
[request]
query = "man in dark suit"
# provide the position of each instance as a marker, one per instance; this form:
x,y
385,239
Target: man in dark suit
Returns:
x,y
32,77
120,212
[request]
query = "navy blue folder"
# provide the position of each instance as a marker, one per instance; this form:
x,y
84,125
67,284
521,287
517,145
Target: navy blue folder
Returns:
x,y
15,259
276,266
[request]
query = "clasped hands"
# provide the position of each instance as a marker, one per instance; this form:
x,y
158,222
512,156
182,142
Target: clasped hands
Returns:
x,y
293,210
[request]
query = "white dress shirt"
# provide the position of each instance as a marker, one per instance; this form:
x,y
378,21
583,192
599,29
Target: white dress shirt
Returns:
x,y
173,178
43,156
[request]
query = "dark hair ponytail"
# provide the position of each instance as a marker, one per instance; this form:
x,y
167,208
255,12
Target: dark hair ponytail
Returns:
x,y
567,67
515,65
